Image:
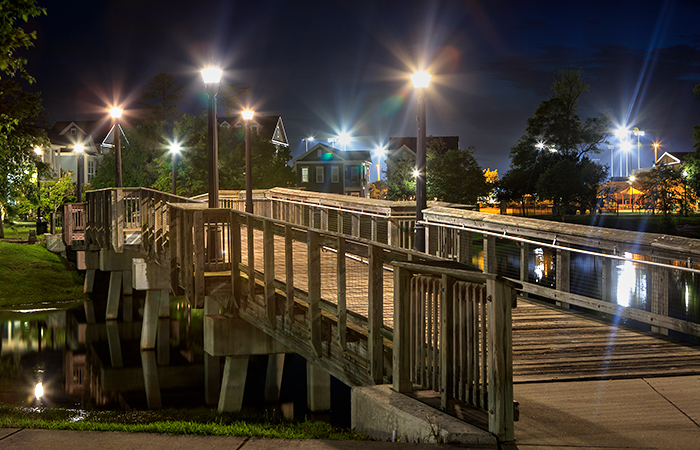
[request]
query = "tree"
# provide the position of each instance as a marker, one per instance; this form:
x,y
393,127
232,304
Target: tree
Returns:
x,y
663,189
20,114
55,192
554,134
400,178
569,184
13,37
454,175
161,101
378,190
229,96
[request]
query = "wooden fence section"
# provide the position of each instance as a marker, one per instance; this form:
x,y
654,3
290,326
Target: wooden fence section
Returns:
x,y
453,334
73,223
657,259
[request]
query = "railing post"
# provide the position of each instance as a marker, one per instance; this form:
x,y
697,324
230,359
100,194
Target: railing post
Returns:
x,y
394,238
341,294
500,360
401,356
355,225
563,265
447,343
235,255
374,232
465,246
524,261
289,269
375,317
269,275
250,244
324,219
117,220
659,293
199,287
314,277
489,254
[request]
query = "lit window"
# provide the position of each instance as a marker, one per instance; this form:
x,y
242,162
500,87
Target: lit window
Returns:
x,y
335,174
304,174
319,174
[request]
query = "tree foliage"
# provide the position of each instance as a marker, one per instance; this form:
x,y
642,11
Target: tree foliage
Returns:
x,y
400,178
556,136
162,100
663,189
696,128
13,37
55,192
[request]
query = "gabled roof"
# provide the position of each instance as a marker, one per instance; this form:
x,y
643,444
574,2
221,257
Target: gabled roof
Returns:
x,y
271,127
671,158
87,132
329,154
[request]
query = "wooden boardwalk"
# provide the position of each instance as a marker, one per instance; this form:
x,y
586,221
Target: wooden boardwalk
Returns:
x,y
551,344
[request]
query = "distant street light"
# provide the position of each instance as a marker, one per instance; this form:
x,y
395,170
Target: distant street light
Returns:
x,y
420,80
79,148
175,150
116,113
637,132
212,77
626,147
307,140
656,146
344,139
379,152
247,117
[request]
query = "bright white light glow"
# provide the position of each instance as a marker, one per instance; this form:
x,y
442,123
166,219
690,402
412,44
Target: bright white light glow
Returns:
x,y
39,390
621,132
625,146
415,173
211,75
116,112
539,145
421,79
175,148
344,139
310,139
79,148
380,152
248,114
626,281
37,150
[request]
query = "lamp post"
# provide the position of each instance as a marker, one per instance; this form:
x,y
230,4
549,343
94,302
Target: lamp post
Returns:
x,y
79,148
656,149
247,116
211,77
174,150
116,113
637,132
685,192
420,80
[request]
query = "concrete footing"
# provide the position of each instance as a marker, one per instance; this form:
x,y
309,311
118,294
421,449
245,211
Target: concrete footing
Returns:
x,y
379,412
318,388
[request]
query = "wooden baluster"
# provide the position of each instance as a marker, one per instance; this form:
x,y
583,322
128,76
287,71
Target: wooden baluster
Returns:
x,y
235,255
341,294
269,267
199,287
314,282
500,348
250,242
289,269
375,317
447,343
401,356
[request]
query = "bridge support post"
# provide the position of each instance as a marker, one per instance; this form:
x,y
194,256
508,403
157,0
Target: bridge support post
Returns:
x,y
114,342
318,388
273,379
150,318
127,297
115,290
233,385
212,364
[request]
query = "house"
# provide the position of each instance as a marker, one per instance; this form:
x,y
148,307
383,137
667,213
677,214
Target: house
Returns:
x,y
65,135
400,147
673,159
270,127
327,169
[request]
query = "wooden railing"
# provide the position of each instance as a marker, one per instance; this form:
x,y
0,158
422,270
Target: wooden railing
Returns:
x,y
453,334
73,222
127,216
629,274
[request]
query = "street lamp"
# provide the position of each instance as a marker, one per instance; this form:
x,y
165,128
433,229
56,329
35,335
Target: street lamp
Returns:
x,y
79,148
310,138
211,77
379,152
626,147
637,132
420,80
116,113
344,139
174,150
656,146
247,117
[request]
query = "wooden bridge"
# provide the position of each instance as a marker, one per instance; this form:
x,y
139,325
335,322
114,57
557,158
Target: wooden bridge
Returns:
x,y
332,279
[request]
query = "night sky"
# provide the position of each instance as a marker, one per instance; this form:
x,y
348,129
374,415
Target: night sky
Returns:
x,y
336,65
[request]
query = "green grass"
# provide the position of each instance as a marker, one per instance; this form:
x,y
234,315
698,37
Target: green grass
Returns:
x,y
170,421
31,277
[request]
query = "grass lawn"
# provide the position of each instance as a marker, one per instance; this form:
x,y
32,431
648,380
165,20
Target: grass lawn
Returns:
x,y
31,277
170,421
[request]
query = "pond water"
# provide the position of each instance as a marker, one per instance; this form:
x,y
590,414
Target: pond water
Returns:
x,y
88,364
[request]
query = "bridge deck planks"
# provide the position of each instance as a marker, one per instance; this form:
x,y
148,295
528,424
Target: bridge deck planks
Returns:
x,y
553,344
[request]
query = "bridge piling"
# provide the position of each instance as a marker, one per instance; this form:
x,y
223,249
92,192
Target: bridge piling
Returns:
x,y
318,388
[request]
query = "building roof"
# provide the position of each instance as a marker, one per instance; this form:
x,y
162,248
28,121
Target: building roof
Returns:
x,y
271,127
329,154
671,158
91,133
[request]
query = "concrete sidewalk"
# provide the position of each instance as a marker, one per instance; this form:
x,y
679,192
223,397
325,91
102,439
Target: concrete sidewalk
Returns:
x,y
642,413
22,439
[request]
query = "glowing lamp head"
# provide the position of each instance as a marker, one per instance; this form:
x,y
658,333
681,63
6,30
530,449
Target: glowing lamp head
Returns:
x,y
380,152
39,390
632,178
415,173
248,114
211,75
344,138
656,145
421,79
175,148
37,150
80,148
539,145
310,139
115,112
621,132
